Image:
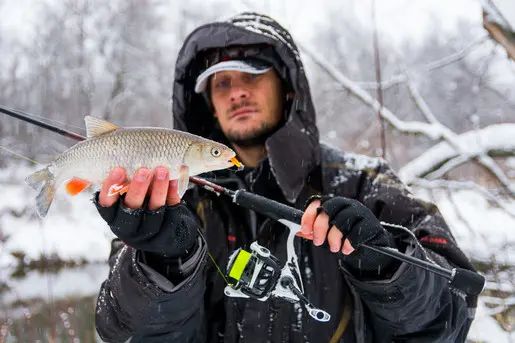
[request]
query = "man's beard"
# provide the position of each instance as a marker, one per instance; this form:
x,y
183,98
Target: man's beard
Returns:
x,y
255,137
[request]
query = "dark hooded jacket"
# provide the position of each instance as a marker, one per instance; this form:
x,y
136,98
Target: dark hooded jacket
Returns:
x,y
408,304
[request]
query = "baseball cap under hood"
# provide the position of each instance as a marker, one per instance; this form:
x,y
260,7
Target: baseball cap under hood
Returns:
x,y
293,150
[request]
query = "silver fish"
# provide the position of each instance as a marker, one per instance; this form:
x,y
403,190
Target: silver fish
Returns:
x,y
108,145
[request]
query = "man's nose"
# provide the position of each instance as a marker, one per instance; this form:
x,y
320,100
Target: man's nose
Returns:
x,y
238,92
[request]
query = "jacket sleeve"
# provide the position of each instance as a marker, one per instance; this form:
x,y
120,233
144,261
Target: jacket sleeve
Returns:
x,y
135,302
413,305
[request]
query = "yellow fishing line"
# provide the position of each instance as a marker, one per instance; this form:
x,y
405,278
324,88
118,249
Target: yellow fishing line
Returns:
x,y
216,265
24,157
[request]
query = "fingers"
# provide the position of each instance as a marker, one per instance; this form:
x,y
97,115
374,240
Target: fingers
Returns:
x,y
308,218
347,248
316,227
320,228
159,188
334,238
173,193
313,225
138,188
117,176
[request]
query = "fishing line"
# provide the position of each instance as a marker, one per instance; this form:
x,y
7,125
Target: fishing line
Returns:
x,y
217,267
24,157
36,162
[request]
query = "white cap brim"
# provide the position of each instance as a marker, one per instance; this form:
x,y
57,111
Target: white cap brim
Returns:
x,y
252,67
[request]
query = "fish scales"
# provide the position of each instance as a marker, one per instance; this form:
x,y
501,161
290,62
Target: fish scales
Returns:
x,y
130,148
109,146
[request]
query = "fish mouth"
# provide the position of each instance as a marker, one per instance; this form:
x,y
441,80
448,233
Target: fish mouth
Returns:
x,y
237,163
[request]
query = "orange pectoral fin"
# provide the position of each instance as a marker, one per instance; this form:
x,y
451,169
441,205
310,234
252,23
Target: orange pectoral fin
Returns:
x,y
76,185
118,189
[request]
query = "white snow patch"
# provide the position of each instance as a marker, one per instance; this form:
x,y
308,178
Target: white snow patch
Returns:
x,y
488,232
338,180
494,137
485,329
359,162
72,229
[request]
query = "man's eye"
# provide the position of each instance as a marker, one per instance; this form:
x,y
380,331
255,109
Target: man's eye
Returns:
x,y
252,77
223,84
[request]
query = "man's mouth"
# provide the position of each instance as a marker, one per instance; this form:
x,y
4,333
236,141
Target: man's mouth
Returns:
x,y
242,111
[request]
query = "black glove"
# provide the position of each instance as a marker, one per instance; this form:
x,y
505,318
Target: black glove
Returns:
x,y
358,224
168,232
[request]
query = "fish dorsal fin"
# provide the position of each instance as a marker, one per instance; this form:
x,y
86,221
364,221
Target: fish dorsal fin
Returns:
x,y
96,126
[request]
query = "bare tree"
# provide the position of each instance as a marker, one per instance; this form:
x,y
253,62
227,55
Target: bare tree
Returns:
x,y
498,27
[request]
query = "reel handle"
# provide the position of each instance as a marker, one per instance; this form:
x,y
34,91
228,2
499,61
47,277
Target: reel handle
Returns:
x,y
316,313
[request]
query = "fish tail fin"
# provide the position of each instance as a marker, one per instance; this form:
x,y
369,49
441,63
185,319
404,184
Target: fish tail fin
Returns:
x,y
44,181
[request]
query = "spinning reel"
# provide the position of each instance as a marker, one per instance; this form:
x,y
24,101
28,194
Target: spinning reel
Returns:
x,y
257,274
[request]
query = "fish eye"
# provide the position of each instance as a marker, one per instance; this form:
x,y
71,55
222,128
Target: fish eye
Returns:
x,y
216,152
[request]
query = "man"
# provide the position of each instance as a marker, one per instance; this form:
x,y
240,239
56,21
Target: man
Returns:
x,y
242,82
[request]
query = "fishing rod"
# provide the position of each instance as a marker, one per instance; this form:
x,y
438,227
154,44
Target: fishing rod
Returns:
x,y
466,280
29,119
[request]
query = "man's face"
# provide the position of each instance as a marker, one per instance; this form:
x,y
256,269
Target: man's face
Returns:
x,y
248,107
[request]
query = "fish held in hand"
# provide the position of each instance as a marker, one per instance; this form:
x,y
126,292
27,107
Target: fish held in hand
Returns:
x,y
108,146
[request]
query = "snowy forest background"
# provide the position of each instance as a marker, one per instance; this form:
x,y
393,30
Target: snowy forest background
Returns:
x,y
446,82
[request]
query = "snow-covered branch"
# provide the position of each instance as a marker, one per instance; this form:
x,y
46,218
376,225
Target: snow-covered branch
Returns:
x,y
456,56
466,152
457,185
482,70
493,14
430,130
402,78
447,166
494,140
434,130
419,101
498,27
488,162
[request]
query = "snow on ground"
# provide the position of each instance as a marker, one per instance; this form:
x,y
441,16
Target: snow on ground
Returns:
x,y
486,329
73,230
74,282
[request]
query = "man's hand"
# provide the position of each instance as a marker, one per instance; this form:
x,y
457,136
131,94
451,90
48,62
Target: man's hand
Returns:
x,y
150,216
339,218
162,190
315,226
